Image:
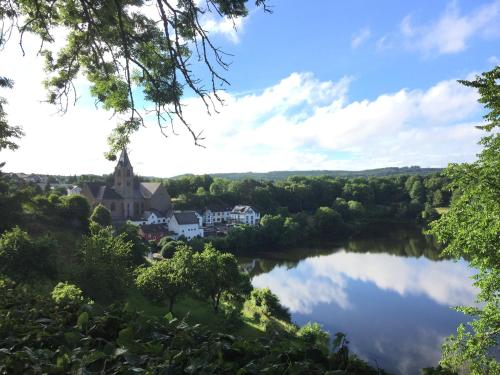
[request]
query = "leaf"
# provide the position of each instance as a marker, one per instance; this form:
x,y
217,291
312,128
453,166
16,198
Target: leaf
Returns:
x,y
83,319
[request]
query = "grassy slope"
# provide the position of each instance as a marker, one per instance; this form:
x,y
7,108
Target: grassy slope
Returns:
x,y
199,312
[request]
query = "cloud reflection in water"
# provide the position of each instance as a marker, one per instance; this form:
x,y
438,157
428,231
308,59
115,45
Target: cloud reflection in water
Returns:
x,y
324,279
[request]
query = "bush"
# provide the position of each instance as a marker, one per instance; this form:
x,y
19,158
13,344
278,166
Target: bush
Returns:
x,y
313,334
101,216
67,294
269,304
23,258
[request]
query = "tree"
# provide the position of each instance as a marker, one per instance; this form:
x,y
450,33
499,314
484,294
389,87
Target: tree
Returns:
x,y
7,133
126,54
139,246
104,265
218,275
269,304
23,258
168,279
101,216
328,222
76,209
470,230
168,250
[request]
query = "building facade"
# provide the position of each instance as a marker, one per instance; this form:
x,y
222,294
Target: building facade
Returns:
x,y
245,215
128,199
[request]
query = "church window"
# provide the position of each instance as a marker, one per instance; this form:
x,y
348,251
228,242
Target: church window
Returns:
x,y
118,173
113,206
128,183
128,172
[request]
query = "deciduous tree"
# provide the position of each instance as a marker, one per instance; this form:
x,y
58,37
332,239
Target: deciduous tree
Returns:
x,y
471,230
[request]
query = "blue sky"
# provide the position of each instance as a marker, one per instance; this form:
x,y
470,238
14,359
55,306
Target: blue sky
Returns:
x,y
318,38
322,85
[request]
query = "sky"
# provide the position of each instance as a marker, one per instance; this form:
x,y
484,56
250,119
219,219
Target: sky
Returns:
x,y
317,85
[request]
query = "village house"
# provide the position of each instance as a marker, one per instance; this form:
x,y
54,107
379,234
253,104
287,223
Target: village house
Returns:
x,y
213,215
245,215
186,223
75,190
150,217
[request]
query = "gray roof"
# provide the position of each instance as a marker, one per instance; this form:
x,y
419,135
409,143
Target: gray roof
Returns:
x,y
186,217
217,208
102,192
242,209
147,189
147,213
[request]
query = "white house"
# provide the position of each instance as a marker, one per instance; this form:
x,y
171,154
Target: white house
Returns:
x,y
216,215
151,217
186,223
75,190
245,215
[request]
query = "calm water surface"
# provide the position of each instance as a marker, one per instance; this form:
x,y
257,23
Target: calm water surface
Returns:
x,y
391,295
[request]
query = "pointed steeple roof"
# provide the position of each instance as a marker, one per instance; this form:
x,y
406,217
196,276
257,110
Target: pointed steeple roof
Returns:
x,y
124,161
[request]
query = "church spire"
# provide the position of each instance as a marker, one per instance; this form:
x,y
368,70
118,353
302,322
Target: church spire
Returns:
x,y
124,176
124,161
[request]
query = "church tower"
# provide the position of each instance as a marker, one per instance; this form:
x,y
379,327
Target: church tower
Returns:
x,y
124,177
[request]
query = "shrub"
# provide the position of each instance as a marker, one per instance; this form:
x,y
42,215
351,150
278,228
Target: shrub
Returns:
x,y
67,294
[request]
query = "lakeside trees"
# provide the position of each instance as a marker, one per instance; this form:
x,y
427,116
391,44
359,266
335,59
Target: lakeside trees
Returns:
x,y
471,230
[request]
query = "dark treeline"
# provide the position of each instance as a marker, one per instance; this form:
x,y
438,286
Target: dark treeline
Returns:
x,y
302,209
282,175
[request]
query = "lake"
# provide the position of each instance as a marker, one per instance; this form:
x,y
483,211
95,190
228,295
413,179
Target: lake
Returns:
x,y
391,295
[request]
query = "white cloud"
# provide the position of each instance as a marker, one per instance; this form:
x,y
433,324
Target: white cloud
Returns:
x,y
298,123
360,37
453,30
228,27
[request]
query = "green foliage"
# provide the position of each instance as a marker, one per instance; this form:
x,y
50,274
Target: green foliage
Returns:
x,y
23,258
269,304
218,276
168,279
45,338
169,248
75,209
470,230
8,133
139,246
328,222
67,294
313,334
101,216
104,267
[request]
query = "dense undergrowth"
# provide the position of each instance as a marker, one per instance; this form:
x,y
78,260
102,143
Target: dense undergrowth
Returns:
x,y
40,336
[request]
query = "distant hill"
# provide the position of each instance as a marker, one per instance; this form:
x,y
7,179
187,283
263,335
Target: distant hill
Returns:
x,y
281,175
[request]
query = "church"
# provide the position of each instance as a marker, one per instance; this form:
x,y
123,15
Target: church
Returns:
x,y
128,199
